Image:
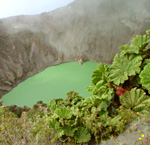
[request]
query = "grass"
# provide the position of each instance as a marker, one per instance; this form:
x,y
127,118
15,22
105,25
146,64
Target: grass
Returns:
x,y
136,133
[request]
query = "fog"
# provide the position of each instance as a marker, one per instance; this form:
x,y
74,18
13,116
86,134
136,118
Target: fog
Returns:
x,y
29,7
89,29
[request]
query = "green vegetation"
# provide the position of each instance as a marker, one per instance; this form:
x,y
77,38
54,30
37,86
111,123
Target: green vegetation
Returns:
x,y
120,93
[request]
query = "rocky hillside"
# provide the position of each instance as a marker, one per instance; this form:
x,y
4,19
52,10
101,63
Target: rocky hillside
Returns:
x,y
92,30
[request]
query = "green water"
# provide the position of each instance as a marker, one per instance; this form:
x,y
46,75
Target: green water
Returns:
x,y
53,82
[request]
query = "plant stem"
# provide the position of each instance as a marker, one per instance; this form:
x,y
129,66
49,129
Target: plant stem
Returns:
x,y
146,53
114,85
131,83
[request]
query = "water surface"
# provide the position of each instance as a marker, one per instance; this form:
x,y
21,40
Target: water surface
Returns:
x,y
53,82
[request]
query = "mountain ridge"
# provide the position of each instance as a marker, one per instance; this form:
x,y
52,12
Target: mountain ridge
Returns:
x,y
91,30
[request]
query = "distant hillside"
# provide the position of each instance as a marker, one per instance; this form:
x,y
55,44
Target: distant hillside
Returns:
x,y
92,30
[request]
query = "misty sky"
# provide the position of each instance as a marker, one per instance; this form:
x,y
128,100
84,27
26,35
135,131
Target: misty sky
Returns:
x,y
28,7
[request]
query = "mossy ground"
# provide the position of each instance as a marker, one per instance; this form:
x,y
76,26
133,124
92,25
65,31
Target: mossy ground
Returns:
x,y
132,134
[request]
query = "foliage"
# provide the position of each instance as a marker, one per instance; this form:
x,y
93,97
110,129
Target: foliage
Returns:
x,y
131,60
63,113
122,77
148,32
82,135
141,42
119,94
99,81
145,77
129,49
100,73
135,100
124,66
14,130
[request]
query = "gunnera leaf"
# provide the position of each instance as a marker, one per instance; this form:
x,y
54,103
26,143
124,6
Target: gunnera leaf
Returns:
x,y
52,105
141,41
82,135
68,131
63,113
100,73
71,95
145,77
148,32
135,100
96,89
129,49
53,123
124,66
99,82
87,102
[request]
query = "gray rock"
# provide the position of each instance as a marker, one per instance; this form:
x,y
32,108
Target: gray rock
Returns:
x,y
90,30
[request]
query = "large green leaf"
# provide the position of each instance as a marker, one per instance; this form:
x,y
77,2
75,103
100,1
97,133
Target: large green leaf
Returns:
x,y
116,124
98,88
97,101
99,82
129,49
148,32
124,66
144,63
53,123
103,106
136,100
87,102
104,118
100,73
82,135
72,99
68,131
141,41
52,105
145,77
63,113
71,95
